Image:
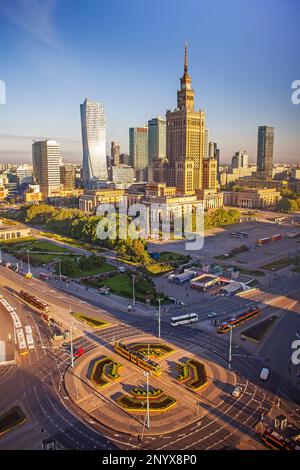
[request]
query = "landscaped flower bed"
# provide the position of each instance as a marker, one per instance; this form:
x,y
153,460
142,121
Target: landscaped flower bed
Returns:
x,y
184,372
160,403
103,370
193,374
91,321
141,393
11,418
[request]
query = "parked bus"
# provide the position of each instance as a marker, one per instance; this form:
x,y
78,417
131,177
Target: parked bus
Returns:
x,y
184,319
237,321
236,235
29,337
21,342
240,234
34,301
244,234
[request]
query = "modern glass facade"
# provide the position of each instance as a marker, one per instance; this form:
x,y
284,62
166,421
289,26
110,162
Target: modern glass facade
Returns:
x,y
156,139
265,145
93,126
138,147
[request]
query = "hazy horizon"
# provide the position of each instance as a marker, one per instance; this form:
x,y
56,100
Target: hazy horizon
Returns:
x,y
129,56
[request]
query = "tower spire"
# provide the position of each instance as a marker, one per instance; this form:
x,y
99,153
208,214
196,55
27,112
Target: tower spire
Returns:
x,y
186,57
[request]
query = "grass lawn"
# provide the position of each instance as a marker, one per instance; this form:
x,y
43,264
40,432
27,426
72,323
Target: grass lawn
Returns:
x,y
121,284
11,418
72,242
36,247
169,257
251,272
257,332
276,265
104,268
91,321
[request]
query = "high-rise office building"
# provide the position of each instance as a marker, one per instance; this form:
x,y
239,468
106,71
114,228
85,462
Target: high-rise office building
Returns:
x,y
240,160
138,147
115,153
68,177
206,143
214,152
210,176
156,139
46,165
93,126
185,139
265,146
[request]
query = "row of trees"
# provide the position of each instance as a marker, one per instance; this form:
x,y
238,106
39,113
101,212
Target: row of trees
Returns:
x,y
290,201
75,224
221,217
70,264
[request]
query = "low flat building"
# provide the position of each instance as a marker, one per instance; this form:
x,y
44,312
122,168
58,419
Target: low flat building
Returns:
x,y
255,183
92,198
210,199
252,198
9,232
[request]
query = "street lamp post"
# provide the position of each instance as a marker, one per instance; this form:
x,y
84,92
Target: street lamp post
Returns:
x,y
59,267
148,404
133,289
72,353
158,317
230,348
28,262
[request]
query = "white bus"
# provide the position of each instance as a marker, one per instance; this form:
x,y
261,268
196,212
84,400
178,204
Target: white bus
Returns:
x,y
21,342
29,337
184,319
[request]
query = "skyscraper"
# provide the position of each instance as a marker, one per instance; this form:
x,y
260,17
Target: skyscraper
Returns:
x,y
156,139
265,146
185,139
240,160
93,126
115,153
46,166
138,147
206,143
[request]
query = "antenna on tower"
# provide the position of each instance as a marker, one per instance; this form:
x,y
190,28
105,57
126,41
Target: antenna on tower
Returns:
x,y
186,57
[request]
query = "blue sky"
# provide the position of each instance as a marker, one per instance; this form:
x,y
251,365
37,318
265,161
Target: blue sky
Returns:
x,y
128,54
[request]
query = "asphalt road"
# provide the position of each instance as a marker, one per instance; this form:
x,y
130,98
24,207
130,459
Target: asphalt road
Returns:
x,y
36,382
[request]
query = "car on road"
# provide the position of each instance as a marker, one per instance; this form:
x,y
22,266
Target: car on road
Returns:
x,y
264,374
78,352
212,314
237,392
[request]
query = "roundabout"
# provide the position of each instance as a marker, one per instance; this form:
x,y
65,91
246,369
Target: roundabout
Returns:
x,y
118,401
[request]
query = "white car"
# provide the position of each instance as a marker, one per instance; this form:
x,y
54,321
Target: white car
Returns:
x,y
237,392
212,314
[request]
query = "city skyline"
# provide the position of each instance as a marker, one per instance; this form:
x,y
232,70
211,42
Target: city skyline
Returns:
x,y
133,89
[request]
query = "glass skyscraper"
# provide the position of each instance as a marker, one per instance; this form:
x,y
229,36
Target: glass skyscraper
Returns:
x,y
93,126
138,147
265,145
156,139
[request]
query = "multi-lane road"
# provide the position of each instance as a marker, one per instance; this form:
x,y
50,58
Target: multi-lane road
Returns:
x,y
36,381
